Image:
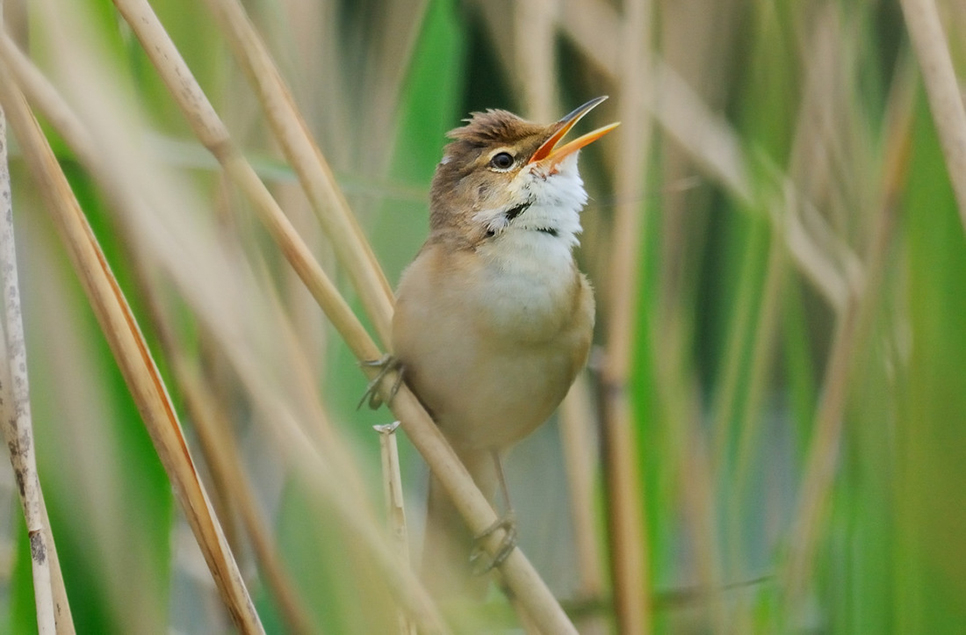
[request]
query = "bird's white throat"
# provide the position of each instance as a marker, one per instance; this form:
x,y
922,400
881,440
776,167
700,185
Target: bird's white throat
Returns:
x,y
530,259
543,201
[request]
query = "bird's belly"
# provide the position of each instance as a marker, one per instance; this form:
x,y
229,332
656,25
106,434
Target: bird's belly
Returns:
x,y
485,399
526,299
493,351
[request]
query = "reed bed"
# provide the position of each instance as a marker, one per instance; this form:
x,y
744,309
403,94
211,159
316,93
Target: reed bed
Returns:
x,y
211,204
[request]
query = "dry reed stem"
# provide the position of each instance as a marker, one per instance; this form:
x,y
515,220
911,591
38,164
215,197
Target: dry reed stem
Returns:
x,y
580,448
519,575
351,248
285,427
23,461
15,401
316,471
81,141
395,508
942,88
534,29
47,608
625,491
62,613
132,355
701,521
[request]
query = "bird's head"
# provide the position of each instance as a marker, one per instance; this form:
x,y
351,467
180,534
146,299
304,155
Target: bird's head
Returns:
x,y
502,175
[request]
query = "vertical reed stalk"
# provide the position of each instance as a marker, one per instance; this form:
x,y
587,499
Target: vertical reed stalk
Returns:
x,y
629,557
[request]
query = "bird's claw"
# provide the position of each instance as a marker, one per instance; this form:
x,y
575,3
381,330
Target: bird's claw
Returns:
x,y
386,364
478,561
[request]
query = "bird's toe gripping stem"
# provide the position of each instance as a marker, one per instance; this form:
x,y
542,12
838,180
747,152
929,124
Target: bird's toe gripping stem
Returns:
x,y
508,523
386,364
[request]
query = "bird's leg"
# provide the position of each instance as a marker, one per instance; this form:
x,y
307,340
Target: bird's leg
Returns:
x,y
507,522
386,364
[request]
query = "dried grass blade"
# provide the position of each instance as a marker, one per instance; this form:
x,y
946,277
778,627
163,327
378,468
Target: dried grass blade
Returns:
x,y
133,357
578,437
942,88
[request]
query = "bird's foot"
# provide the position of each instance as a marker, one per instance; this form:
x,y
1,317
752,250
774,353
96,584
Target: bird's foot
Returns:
x,y
478,559
386,364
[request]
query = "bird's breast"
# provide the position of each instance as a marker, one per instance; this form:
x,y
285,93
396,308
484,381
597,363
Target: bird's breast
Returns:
x,y
491,346
526,289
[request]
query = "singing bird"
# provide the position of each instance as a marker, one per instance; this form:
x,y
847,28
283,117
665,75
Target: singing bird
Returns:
x,y
493,318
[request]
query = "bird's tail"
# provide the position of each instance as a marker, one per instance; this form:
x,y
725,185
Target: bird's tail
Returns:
x,y
448,544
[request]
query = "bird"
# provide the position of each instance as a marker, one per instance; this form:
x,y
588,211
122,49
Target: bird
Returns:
x,y
493,319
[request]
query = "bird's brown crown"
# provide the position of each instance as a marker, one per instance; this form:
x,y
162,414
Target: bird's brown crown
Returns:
x,y
494,126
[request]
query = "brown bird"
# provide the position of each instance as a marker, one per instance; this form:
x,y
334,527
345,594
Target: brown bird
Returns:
x,y
493,319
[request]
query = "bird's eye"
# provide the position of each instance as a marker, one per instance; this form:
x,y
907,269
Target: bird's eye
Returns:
x,y
502,160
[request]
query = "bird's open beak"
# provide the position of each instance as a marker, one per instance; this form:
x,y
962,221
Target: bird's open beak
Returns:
x,y
549,154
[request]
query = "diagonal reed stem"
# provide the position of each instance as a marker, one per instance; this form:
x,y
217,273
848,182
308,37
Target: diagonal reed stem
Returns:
x,y
132,355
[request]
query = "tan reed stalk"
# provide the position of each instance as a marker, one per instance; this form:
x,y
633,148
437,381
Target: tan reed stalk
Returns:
x,y
698,505
15,407
942,88
580,448
395,509
520,575
19,440
625,485
62,613
534,30
131,353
